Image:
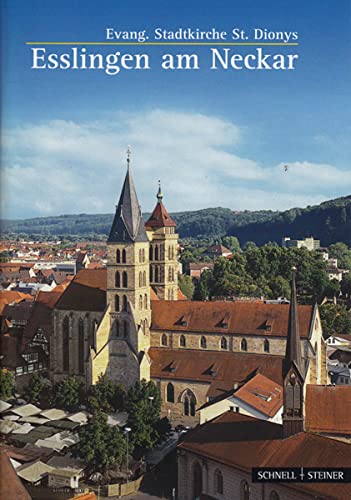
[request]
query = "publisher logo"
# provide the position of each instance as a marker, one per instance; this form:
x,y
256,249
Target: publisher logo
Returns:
x,y
301,475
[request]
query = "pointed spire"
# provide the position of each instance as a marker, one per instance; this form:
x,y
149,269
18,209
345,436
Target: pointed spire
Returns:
x,y
159,195
293,343
127,224
159,217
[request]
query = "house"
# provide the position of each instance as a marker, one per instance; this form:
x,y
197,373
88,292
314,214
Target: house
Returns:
x,y
339,339
197,268
310,243
259,397
217,250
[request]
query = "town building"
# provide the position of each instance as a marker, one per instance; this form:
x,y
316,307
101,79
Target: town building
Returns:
x,y
310,243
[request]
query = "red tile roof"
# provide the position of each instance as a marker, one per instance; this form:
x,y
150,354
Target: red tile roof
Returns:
x,y
9,296
86,292
11,486
242,317
159,218
244,442
262,394
221,370
328,409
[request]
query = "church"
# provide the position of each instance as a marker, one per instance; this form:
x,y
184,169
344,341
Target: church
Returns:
x,y
131,322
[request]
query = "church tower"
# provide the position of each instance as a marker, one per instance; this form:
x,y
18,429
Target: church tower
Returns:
x,y
128,286
163,251
293,372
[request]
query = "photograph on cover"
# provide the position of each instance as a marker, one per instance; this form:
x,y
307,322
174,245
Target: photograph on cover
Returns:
x,y
175,263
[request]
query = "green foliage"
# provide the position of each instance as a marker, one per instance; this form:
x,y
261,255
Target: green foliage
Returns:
x,y
335,319
186,285
345,285
7,384
143,406
100,445
332,289
341,252
232,243
266,271
34,390
67,394
106,395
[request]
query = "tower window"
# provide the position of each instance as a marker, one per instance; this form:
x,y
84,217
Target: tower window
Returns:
x,y
170,393
143,254
172,274
151,253
244,491
124,256
144,278
140,279
140,302
117,303
164,340
156,252
203,342
126,328
156,275
189,403
125,279
118,256
140,255
169,274
145,301
266,345
125,303
182,341
224,344
243,345
117,280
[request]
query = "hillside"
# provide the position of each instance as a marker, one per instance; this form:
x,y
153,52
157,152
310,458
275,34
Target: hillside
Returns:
x,y
330,222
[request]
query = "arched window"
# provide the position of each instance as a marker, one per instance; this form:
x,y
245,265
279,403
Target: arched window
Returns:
x,y
124,256
144,278
189,402
126,328
124,279
151,274
143,254
169,274
118,256
151,253
164,339
244,490
274,495
203,342
266,345
125,303
243,345
224,344
117,306
145,301
197,480
170,393
81,345
156,252
140,301
117,280
218,482
172,274
140,255
169,252
140,279
65,344
156,274
118,329
182,341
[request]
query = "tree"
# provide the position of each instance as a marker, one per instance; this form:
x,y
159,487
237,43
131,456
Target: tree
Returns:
x,y
67,394
143,405
7,384
232,243
186,285
33,391
106,396
332,289
335,319
345,285
100,445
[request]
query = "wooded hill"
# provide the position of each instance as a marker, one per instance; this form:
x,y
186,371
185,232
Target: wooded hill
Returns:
x,y
330,222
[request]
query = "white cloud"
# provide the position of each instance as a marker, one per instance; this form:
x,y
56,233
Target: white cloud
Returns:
x,y
65,167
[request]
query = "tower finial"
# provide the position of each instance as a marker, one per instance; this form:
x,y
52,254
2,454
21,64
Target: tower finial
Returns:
x,y
159,192
129,152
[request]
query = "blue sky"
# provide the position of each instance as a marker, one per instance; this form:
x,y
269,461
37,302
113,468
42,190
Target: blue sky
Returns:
x,y
214,138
